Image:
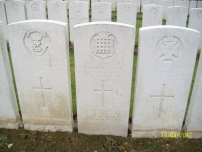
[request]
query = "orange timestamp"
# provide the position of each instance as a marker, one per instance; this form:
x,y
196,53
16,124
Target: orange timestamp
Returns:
x,y
176,134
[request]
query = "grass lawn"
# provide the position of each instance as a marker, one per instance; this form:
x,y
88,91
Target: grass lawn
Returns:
x,y
138,25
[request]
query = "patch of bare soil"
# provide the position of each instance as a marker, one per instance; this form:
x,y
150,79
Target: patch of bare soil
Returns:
x,y
32,141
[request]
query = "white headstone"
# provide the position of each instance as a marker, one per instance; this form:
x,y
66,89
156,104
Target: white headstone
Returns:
x,y
135,2
177,16
192,4
57,10
103,67
40,55
15,11
112,2
67,3
81,1
126,13
165,4
152,15
193,122
199,5
195,22
164,74
182,3
78,13
3,17
101,11
36,10
148,2
9,116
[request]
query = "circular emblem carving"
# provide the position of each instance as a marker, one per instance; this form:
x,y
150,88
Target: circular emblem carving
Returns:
x,y
14,7
56,7
177,13
169,48
35,7
103,45
127,9
153,11
36,41
199,14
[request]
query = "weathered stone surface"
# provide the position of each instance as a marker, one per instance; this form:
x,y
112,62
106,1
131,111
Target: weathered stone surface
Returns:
x,y
103,67
36,10
3,17
192,4
148,2
126,13
199,5
15,11
78,13
40,55
135,2
165,4
177,16
101,11
164,74
193,123
182,3
112,2
9,116
195,22
57,10
152,15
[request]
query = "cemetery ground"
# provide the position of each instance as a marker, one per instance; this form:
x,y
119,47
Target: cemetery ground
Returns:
x,y
20,140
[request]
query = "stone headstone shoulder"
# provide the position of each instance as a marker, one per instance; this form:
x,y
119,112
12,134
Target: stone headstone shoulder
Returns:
x,y
40,58
101,11
199,5
165,4
193,122
135,2
3,17
177,16
163,79
36,10
57,10
192,4
103,67
15,11
78,13
152,15
148,2
182,3
113,3
9,116
126,13
195,22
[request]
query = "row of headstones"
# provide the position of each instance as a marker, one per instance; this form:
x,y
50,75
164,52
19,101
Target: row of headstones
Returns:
x,y
57,10
103,55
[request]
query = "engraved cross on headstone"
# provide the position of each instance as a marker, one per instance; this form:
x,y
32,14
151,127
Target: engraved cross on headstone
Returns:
x,y
162,97
78,18
101,14
102,90
42,89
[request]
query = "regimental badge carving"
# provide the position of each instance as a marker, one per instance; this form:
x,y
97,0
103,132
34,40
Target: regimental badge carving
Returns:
x,y
35,7
177,13
153,11
56,7
169,48
14,7
127,9
103,45
36,41
199,14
